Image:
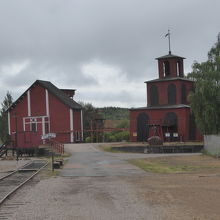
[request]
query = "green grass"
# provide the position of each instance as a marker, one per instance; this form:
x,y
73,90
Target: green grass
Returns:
x,y
159,167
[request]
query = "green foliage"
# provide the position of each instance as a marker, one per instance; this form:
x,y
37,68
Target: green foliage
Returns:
x,y
117,136
89,112
205,100
4,118
114,113
88,140
124,124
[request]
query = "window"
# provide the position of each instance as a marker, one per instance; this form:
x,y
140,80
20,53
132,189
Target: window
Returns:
x,y
183,94
178,68
33,126
171,93
142,127
153,95
166,68
33,122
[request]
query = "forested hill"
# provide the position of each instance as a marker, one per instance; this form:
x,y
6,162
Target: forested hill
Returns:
x,y
114,113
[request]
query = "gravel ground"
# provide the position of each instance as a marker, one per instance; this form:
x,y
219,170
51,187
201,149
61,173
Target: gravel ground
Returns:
x,y
10,165
150,197
85,198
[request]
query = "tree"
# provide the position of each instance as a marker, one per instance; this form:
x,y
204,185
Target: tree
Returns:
x,y
4,118
205,100
90,122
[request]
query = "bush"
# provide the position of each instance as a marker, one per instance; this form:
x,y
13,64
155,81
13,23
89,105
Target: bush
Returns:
x,y
122,136
117,136
88,140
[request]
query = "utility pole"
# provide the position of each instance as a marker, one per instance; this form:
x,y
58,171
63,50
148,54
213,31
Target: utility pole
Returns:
x,y
16,135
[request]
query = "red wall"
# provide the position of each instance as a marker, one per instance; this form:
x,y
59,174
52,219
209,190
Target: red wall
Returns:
x,y
162,90
173,67
38,101
77,120
159,114
21,111
59,118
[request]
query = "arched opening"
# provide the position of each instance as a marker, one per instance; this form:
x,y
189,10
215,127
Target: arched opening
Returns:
x,y
154,95
171,93
183,94
142,127
192,127
178,68
170,127
166,68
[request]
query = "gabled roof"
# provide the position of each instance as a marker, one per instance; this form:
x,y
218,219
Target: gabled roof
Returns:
x,y
168,56
58,93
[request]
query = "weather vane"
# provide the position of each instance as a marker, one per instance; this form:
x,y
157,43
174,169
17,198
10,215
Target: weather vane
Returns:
x,y
168,35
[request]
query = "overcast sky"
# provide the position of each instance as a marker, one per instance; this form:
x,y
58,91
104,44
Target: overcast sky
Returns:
x,y
105,49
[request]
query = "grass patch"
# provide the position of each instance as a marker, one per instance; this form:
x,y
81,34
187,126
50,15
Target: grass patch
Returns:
x,y
161,166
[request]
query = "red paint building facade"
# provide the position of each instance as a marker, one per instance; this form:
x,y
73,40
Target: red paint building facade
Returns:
x,y
42,109
168,112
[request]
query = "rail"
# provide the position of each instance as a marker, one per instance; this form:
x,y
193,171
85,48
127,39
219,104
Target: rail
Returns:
x,y
3,149
10,183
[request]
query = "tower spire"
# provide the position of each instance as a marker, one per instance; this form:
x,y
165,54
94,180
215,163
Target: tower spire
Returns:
x,y
168,35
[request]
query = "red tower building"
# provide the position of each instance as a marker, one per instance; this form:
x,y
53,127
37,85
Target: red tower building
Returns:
x,y
168,109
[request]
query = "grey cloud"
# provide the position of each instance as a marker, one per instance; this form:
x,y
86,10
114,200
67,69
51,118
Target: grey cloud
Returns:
x,y
58,37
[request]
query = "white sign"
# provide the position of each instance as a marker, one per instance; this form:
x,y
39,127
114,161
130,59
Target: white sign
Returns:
x,y
48,136
167,134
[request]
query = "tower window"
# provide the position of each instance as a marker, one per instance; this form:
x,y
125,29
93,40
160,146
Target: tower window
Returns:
x,y
184,97
153,95
178,68
166,68
171,93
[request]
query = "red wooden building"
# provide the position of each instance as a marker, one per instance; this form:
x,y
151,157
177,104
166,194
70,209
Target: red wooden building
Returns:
x,y
168,111
42,109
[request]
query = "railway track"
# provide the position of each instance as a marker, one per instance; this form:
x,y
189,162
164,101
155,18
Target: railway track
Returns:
x,y
10,183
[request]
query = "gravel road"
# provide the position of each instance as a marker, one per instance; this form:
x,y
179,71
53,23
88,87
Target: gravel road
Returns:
x,y
94,185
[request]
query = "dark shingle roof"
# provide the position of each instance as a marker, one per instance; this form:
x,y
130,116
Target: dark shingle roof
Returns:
x,y
162,107
58,93
170,79
168,56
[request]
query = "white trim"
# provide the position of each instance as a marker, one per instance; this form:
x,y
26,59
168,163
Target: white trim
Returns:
x,y
9,125
146,95
71,126
23,124
29,102
82,124
43,128
47,103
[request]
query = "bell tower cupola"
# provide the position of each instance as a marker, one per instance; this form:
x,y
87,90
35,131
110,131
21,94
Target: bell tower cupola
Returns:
x,y
170,66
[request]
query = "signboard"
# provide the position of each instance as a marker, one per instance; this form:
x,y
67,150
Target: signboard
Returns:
x,y
48,136
167,134
175,135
